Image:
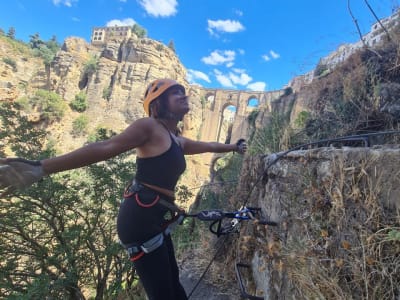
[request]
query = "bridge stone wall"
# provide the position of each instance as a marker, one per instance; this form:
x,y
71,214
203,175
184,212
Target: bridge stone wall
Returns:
x,y
216,101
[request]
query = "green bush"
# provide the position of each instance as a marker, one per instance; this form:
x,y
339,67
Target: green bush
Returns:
x,y
51,106
79,125
302,118
10,62
45,53
91,66
321,69
139,31
23,102
251,118
80,103
268,138
160,47
107,93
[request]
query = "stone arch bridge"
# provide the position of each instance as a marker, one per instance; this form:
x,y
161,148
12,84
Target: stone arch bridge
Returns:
x,y
217,100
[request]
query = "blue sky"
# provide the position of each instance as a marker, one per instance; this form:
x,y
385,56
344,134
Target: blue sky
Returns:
x,y
231,44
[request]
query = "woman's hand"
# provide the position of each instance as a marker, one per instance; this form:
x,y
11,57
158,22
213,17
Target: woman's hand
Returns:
x,y
241,146
19,173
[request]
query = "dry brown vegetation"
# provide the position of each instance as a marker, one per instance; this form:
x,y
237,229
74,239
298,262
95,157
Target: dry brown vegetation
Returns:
x,y
351,248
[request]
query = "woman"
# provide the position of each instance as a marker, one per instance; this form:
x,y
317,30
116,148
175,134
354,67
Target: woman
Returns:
x,y
142,225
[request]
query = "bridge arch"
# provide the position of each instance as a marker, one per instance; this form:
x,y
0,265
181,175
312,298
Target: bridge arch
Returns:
x,y
216,103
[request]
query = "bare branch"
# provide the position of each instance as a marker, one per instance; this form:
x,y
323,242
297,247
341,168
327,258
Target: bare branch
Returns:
x,y
379,21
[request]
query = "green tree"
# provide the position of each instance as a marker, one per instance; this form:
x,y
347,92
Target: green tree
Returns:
x,y
57,238
171,45
139,31
45,53
53,44
45,50
35,41
11,33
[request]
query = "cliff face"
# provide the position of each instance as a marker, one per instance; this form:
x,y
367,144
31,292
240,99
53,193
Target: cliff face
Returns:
x,y
337,235
124,70
114,89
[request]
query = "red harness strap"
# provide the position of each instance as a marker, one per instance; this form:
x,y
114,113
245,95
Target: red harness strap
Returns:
x,y
140,203
137,256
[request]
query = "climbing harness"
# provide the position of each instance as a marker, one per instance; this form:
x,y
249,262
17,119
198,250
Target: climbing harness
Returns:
x,y
137,250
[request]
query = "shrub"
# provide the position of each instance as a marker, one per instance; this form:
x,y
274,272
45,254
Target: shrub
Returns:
x,y
23,102
321,69
139,31
251,118
45,53
79,104
160,47
50,104
79,125
10,62
107,93
301,119
91,66
268,138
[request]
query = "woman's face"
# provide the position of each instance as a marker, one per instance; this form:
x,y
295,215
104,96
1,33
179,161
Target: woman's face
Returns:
x,y
177,101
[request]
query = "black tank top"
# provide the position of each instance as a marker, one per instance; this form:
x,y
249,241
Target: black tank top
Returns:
x,y
163,170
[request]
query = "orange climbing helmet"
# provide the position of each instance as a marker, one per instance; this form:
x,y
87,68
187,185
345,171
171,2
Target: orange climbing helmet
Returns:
x,y
155,89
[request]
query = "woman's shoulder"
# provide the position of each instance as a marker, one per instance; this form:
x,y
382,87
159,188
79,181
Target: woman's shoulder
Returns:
x,y
147,122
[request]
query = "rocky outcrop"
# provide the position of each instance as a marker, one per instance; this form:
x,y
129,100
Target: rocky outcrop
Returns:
x,y
338,213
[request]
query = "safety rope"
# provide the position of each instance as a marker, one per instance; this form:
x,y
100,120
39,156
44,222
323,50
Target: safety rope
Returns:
x,y
208,266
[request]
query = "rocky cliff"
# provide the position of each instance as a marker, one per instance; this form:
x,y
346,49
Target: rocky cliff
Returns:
x,y
114,89
338,215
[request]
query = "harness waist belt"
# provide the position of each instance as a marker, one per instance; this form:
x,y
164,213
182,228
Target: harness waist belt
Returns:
x,y
155,242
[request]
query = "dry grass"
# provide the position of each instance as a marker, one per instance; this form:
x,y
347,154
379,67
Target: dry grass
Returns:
x,y
352,250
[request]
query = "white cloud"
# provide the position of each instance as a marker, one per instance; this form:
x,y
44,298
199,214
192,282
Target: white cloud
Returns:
x,y
75,19
274,54
219,57
224,26
64,2
258,86
124,22
266,57
223,79
237,70
241,51
159,8
241,79
192,75
122,1
271,55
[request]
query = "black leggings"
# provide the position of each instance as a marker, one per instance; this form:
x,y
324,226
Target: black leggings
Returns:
x,y
138,221
159,273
